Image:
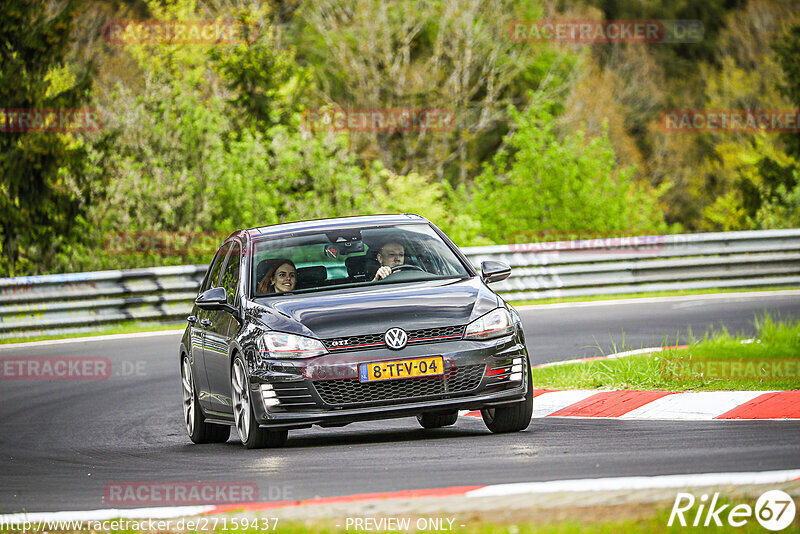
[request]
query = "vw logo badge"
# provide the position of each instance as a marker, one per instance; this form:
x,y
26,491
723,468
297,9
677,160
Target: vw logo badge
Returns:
x,y
395,338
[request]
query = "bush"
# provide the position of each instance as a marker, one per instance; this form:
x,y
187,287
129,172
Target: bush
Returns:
x,y
542,182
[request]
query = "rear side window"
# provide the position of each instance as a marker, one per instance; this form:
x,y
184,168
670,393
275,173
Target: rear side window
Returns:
x,y
216,267
230,278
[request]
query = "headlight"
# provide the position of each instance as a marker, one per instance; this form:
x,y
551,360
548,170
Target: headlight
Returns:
x,y
280,345
496,323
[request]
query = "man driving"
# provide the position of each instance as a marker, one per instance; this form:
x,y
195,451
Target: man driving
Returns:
x,y
391,254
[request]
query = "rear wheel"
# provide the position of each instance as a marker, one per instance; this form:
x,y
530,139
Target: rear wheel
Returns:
x,y
199,431
511,418
437,420
252,436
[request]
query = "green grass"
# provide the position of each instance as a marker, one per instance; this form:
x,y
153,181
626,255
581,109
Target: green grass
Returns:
x,y
718,361
113,328
648,294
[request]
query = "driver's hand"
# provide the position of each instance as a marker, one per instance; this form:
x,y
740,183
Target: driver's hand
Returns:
x,y
382,273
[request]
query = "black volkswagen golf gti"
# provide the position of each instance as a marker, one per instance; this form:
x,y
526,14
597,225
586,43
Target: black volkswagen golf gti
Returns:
x,y
334,321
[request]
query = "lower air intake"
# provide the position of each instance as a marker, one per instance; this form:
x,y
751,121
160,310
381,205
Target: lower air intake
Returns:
x,y
352,391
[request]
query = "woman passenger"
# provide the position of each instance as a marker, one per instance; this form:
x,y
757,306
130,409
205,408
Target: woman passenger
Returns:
x,y
280,278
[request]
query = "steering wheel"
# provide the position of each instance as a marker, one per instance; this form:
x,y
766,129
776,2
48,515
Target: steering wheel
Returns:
x,y
406,267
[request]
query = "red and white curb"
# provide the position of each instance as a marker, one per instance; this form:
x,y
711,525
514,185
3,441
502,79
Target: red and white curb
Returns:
x,y
661,405
496,490
665,405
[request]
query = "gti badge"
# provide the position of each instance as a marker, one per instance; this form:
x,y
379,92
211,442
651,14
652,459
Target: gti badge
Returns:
x,y
395,338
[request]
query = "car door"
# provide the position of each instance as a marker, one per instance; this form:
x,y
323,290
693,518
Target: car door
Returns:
x,y
218,335
200,329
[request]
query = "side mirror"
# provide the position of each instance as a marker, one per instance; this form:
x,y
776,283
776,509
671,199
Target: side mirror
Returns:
x,y
214,299
494,271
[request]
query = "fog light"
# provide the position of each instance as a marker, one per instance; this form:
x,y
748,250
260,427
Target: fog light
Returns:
x,y
271,402
516,368
515,377
268,394
266,387
517,361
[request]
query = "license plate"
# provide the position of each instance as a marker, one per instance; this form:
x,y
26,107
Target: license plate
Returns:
x,y
370,372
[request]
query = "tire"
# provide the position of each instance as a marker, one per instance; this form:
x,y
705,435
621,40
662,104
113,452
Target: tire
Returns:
x,y
437,420
252,436
514,417
199,431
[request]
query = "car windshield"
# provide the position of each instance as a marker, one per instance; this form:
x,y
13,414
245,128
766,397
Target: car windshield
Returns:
x,y
333,259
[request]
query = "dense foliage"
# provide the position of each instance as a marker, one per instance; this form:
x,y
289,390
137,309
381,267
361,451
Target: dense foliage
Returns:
x,y
544,137
43,189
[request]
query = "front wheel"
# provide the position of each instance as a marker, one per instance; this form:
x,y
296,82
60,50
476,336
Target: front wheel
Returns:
x,y
511,418
252,436
199,431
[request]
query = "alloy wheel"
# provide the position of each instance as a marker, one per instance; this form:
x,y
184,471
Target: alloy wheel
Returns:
x,y
241,399
188,395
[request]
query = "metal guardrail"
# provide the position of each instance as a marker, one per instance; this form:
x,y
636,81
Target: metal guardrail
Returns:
x,y
643,264
80,302
55,304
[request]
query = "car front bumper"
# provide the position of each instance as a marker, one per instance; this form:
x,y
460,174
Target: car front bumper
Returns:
x,y
326,390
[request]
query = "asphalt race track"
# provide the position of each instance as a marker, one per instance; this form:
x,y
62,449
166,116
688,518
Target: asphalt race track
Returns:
x,y
62,441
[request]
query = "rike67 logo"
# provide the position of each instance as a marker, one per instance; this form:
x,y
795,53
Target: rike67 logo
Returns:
x,y
774,510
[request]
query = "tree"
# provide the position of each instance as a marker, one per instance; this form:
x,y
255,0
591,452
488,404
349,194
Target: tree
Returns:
x,y
43,191
782,206
748,178
787,50
544,183
264,81
451,55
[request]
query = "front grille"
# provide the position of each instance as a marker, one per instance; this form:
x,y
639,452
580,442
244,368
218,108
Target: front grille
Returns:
x,y
370,341
353,391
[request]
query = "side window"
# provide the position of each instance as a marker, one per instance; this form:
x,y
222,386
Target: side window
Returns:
x,y
216,267
230,278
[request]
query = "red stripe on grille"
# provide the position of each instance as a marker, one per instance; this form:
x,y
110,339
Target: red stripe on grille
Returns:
x,y
355,346
410,341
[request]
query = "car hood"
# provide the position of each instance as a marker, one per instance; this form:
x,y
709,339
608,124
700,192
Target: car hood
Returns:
x,y
372,310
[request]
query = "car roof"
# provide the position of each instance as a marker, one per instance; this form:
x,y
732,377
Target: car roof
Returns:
x,y
326,225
